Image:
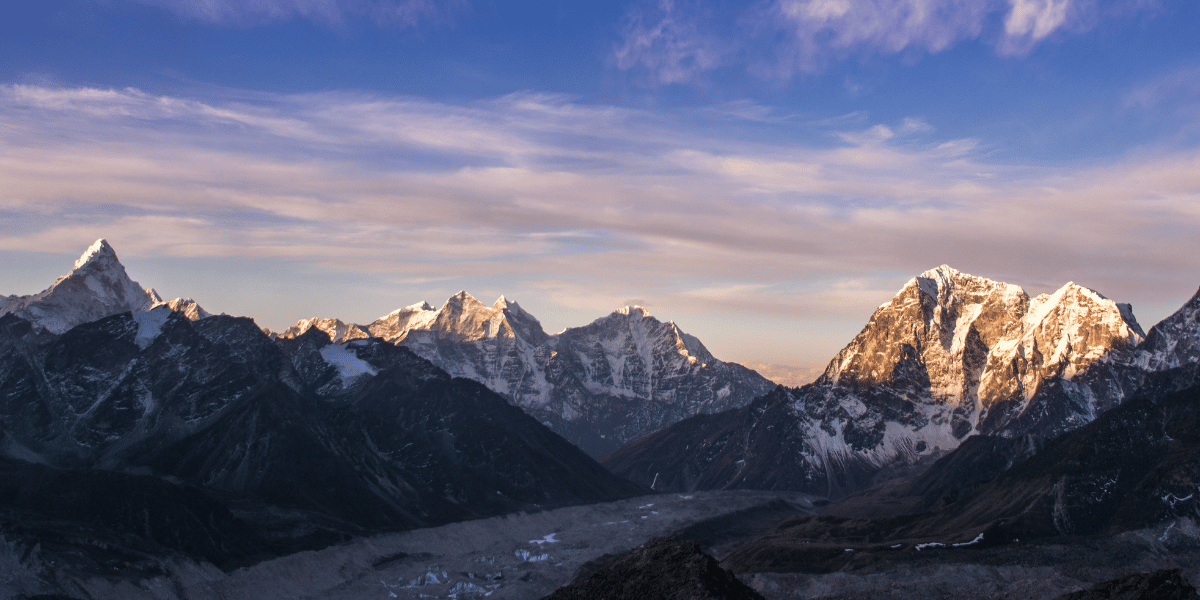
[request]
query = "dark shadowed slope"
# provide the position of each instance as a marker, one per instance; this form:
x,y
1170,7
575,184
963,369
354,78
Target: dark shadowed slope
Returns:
x,y
1136,466
110,520
663,568
1160,585
371,437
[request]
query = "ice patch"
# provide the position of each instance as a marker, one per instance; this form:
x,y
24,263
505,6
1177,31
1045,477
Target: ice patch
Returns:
x,y
150,324
930,545
528,556
978,538
348,364
549,539
1172,499
429,578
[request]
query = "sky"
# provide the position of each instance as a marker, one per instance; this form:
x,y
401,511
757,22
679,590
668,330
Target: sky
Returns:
x,y
763,173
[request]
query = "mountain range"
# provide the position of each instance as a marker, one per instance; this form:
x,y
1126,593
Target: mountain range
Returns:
x,y
284,444
950,356
137,434
599,386
622,376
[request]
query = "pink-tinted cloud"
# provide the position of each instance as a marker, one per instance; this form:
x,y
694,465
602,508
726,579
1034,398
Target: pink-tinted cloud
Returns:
x,y
583,206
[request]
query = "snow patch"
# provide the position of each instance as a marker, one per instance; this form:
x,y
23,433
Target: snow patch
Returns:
x,y
1171,499
150,324
978,538
528,556
348,364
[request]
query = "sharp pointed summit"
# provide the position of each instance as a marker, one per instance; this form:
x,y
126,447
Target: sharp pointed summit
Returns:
x,y
96,287
99,253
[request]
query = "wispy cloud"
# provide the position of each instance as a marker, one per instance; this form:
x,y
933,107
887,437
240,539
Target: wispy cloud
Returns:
x,y
1181,84
1030,21
590,204
392,13
668,41
674,43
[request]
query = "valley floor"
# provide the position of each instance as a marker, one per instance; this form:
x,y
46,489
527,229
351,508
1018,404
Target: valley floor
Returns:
x,y
526,556
521,556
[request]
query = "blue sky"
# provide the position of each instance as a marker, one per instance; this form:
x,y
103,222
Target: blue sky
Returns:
x,y
763,173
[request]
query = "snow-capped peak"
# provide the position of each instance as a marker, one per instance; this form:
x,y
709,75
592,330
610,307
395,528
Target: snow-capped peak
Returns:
x,y
520,319
941,283
100,253
958,338
185,306
338,331
462,317
419,307
95,288
1088,305
511,306
943,272
463,298
634,311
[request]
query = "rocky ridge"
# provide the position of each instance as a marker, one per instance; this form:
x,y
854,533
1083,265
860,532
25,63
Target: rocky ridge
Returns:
x,y
620,377
338,332
950,356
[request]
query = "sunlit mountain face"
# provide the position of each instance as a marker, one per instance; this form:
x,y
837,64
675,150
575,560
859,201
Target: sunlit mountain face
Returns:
x,y
951,356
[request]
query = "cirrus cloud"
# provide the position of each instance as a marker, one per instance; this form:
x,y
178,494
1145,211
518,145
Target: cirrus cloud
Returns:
x,y
676,41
